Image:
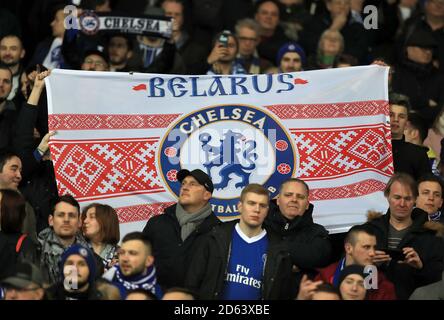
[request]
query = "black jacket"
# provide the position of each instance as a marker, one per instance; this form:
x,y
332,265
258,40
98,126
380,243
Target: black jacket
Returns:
x,y
208,268
306,241
421,83
5,255
38,184
423,239
58,292
410,158
8,117
172,255
9,255
269,47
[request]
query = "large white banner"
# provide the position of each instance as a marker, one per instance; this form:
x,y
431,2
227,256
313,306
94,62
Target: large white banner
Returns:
x,y
122,138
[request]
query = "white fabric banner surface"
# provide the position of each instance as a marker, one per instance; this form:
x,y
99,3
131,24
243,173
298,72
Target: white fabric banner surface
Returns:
x,y
121,138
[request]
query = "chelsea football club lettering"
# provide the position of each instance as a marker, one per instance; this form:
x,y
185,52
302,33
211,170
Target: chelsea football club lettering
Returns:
x,y
236,145
220,86
131,23
204,118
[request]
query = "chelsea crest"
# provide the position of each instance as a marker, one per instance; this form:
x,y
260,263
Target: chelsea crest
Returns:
x,y
235,145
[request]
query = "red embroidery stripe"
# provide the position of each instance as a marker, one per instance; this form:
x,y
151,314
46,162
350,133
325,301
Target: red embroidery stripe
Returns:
x,y
141,212
330,110
354,190
108,121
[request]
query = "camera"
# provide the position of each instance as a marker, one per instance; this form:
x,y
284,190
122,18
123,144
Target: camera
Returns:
x,y
223,39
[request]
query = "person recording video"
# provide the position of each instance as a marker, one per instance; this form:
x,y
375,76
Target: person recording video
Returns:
x,y
222,57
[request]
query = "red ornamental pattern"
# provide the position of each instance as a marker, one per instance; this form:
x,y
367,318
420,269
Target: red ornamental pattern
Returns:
x,y
354,190
338,152
141,212
283,168
109,122
281,145
92,170
172,175
331,110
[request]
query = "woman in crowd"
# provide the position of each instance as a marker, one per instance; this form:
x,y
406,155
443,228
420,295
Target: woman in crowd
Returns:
x,y
101,228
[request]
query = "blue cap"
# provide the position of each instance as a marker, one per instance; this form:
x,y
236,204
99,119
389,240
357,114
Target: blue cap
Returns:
x,y
290,47
86,254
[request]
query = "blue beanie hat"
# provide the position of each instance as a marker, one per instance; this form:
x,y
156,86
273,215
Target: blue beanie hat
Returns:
x,y
86,254
290,47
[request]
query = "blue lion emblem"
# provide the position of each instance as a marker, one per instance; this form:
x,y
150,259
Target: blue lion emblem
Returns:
x,y
91,24
226,155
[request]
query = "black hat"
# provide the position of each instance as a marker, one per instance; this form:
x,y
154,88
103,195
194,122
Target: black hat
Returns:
x,y
351,269
199,175
99,51
24,275
421,38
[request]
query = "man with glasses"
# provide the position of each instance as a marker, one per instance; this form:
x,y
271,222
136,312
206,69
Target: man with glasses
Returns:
x,y
175,234
26,283
248,36
95,60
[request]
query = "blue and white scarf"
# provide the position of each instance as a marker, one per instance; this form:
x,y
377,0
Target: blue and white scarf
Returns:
x,y
146,281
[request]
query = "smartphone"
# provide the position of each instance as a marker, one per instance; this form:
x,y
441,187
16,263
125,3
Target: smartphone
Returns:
x,y
395,254
223,40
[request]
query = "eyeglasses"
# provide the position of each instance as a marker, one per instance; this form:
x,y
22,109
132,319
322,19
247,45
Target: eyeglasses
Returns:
x,y
95,62
10,289
340,2
247,39
117,45
437,2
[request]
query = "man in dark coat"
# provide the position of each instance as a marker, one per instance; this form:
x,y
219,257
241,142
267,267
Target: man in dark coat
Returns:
x,y
7,110
174,235
239,260
408,248
291,217
431,20
418,78
407,157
